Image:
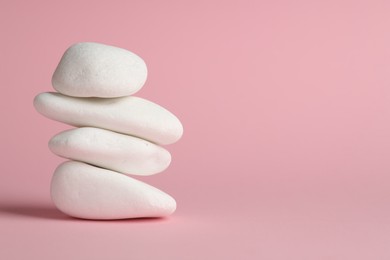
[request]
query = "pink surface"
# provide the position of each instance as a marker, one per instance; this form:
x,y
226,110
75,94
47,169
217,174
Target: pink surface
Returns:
x,y
285,105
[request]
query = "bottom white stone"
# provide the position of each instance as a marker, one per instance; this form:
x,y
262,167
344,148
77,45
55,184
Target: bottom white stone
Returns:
x,y
85,191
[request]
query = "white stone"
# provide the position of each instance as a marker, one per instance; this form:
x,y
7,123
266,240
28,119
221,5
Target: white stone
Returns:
x,y
84,191
110,150
128,115
90,69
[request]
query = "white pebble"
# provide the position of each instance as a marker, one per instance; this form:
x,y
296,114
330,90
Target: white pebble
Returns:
x,y
84,191
110,150
128,115
97,70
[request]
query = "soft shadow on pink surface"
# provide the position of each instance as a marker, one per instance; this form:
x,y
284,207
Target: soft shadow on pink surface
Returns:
x,y
33,211
49,212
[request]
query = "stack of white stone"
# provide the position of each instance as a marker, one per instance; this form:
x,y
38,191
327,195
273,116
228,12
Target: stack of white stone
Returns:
x,y
117,135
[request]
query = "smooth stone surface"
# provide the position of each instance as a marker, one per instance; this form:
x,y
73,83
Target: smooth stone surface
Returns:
x,y
84,191
110,150
129,115
90,69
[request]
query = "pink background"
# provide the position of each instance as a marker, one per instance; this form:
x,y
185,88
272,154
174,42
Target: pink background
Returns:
x,y
286,109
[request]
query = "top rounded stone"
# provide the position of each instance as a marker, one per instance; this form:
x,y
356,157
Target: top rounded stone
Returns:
x,y
90,69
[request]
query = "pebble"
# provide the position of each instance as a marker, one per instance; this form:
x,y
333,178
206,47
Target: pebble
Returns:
x,y
84,191
110,150
118,135
128,115
91,69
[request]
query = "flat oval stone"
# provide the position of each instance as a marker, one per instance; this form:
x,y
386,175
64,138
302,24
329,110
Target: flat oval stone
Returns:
x,y
84,191
128,115
90,69
110,150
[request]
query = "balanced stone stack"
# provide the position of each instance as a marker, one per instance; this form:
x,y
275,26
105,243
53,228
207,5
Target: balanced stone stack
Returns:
x,y
118,135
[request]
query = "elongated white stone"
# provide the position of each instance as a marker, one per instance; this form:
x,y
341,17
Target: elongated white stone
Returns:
x,y
84,191
129,115
90,69
110,150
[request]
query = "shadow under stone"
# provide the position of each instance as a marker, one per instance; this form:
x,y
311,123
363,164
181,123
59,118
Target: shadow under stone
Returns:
x,y
50,212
